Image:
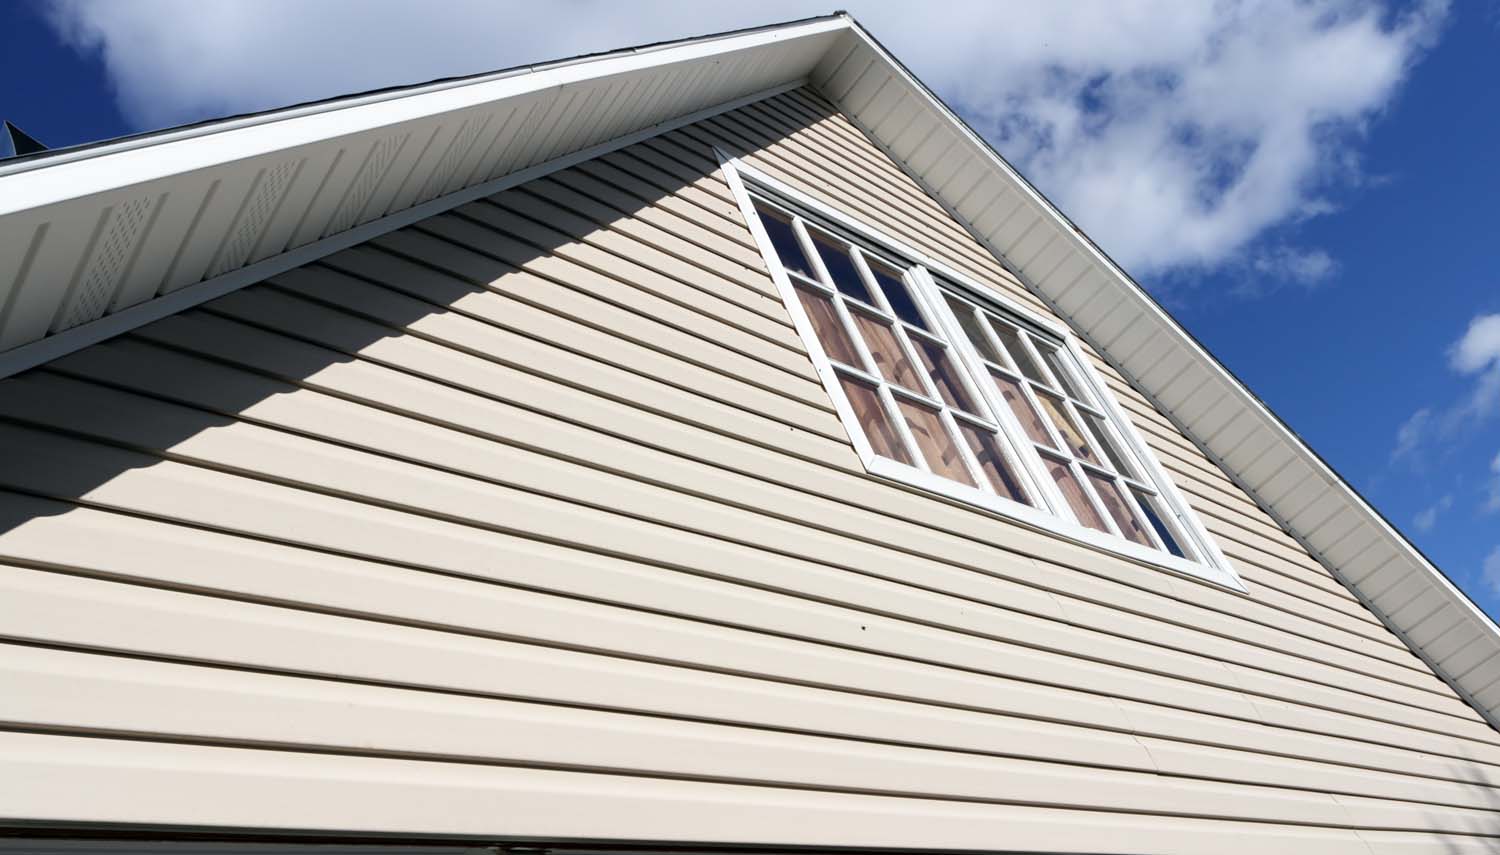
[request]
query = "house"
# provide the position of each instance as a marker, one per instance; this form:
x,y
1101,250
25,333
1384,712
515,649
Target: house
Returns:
x,y
712,445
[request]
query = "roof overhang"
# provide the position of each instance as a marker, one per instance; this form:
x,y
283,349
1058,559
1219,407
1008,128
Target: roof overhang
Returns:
x,y
93,233
101,239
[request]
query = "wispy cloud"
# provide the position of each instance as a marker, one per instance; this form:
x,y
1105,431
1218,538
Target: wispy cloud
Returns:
x,y
1410,436
1477,354
1427,517
1491,571
1185,138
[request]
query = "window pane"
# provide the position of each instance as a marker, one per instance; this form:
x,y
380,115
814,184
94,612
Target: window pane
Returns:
x,y
1060,370
943,373
896,294
1012,341
1115,504
1073,492
1154,516
936,443
987,451
788,249
889,358
1028,417
970,324
874,420
831,333
1101,436
1066,427
841,268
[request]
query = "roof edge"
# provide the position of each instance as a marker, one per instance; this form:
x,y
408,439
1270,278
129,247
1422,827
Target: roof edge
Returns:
x,y
64,154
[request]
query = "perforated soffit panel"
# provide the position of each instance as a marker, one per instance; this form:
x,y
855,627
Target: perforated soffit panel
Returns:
x,y
96,241
136,227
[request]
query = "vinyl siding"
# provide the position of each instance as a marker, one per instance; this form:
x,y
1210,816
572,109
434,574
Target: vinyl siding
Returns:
x,y
533,521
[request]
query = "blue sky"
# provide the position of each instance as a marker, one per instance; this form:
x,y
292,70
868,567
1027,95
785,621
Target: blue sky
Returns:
x,y
1309,187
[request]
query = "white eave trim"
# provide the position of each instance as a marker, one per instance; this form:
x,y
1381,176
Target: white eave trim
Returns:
x,y
33,183
99,239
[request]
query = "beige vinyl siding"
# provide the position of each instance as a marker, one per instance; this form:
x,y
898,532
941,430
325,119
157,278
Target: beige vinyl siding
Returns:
x,y
532,520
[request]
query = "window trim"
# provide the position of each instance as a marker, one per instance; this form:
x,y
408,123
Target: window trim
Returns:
x,y
1209,562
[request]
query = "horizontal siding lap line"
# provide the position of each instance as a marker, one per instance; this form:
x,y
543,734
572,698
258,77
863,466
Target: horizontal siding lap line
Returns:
x,y
1266,684
944,238
439,287
1062,587
604,204
695,332
1472,794
1152,777
760,145
308,485
685,156
1210,484
1143,793
786,152
792,112
622,251
1341,758
315,717
1306,573
662,299
686,333
385,306
636,240
474,339
643,181
756,313
821,487
835,132
699,230
795,519
423,797
123,358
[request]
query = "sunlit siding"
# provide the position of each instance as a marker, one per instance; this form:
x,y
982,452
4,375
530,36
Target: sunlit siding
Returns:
x,y
533,521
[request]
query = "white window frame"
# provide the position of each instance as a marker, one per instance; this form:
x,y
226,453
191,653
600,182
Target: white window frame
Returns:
x,y
1207,562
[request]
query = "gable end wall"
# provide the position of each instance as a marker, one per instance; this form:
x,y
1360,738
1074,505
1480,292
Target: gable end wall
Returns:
x,y
532,522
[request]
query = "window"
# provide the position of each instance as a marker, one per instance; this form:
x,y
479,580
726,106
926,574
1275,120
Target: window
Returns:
x,y
897,369
945,387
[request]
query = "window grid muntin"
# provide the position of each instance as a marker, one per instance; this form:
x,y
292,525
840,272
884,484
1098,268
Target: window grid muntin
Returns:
x,y
1187,534
888,390
1061,389
1209,563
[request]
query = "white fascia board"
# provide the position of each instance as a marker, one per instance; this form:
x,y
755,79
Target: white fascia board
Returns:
x,y
1172,349
33,184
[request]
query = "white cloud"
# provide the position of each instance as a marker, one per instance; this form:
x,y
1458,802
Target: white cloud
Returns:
x,y
1410,435
1427,518
1177,134
1297,266
1478,354
1492,571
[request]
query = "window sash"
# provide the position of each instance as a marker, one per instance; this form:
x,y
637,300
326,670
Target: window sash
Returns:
x,y
1084,396
915,425
1056,405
